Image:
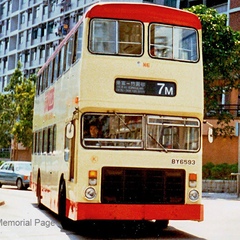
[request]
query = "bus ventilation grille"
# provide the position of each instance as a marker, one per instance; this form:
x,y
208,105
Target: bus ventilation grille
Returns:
x,y
142,186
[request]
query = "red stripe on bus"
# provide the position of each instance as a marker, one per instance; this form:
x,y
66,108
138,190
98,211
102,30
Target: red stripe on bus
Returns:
x,y
96,211
145,13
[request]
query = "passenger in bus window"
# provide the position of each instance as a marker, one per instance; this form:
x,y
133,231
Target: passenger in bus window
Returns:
x,y
94,132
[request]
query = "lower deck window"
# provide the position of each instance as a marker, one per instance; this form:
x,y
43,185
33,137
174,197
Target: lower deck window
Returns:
x,y
146,132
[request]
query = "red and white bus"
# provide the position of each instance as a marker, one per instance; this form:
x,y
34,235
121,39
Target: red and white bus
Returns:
x,y
118,116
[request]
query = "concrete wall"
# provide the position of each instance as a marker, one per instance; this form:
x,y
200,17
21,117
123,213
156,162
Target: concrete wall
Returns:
x,y
219,186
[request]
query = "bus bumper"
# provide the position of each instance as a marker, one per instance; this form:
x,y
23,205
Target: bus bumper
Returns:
x,y
95,211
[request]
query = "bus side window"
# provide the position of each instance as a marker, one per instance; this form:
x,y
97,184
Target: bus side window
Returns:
x,y
45,78
35,142
43,81
45,142
56,67
49,140
79,42
39,141
69,53
74,50
39,83
54,138
60,62
63,58
50,72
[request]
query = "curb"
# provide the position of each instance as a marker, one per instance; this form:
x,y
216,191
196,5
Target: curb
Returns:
x,y
2,203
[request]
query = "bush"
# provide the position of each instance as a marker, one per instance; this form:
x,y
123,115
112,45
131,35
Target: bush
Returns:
x,y
207,170
219,171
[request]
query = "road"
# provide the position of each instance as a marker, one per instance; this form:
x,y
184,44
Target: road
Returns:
x,y
20,219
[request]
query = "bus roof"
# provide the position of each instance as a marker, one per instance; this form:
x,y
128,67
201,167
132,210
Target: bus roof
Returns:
x,y
145,13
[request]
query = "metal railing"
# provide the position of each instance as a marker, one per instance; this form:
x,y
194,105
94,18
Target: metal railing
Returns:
x,y
5,152
233,109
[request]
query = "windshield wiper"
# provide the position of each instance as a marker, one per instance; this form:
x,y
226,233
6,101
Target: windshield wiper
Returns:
x,y
158,143
123,122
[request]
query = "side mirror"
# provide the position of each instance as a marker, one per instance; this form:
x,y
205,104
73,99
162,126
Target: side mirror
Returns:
x,y
210,131
70,130
210,134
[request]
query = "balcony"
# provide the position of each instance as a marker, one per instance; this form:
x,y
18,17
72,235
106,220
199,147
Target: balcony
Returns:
x,y
233,109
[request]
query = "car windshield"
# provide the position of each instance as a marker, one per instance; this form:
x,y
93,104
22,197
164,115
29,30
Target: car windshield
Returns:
x,y
23,166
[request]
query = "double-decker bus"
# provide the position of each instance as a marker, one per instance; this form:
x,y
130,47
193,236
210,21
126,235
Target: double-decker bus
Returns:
x,y
118,115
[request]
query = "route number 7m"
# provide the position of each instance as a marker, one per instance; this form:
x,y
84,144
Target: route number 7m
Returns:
x,y
165,89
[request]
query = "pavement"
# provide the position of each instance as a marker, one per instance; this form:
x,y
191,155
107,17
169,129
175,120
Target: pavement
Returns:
x,y
226,196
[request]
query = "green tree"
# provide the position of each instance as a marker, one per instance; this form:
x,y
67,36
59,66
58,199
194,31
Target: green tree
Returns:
x,y
221,62
16,111
5,130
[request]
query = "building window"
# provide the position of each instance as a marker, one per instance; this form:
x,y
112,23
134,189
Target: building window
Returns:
x,y
29,15
42,30
5,63
2,9
20,57
1,46
42,50
35,33
1,27
34,54
53,5
27,57
4,82
7,24
22,18
36,12
170,3
21,38
6,43
45,10
50,27
29,35
9,6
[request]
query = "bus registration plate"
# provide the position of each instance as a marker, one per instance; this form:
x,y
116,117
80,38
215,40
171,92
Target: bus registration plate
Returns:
x,y
145,87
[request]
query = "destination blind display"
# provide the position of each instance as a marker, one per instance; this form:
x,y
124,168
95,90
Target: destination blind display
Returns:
x,y
145,87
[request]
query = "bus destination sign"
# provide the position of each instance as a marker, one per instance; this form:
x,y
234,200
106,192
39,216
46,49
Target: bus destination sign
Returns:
x,y
145,87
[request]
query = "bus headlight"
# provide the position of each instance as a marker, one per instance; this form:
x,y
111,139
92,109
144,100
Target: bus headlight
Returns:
x,y
90,193
193,195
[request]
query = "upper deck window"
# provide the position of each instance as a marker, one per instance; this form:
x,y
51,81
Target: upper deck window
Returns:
x,y
169,42
116,37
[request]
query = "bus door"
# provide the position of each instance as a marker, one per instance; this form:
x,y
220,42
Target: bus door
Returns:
x,y
69,149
